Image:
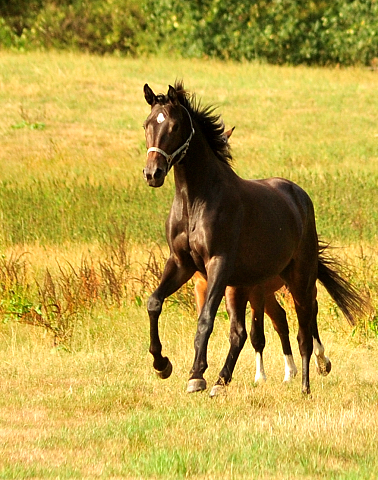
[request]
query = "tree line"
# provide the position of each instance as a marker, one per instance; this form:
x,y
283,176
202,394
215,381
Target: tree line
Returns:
x,y
314,32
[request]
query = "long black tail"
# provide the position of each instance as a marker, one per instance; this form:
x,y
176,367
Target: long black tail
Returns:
x,y
347,298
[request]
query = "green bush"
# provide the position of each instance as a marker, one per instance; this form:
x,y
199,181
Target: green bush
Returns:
x,y
278,31
349,33
8,38
98,26
19,14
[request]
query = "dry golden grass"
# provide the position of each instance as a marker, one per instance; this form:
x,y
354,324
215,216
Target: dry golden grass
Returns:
x,y
101,411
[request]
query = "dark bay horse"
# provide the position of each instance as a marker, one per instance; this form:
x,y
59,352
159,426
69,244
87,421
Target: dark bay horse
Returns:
x,y
235,232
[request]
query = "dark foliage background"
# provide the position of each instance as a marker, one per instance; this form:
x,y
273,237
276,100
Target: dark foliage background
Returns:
x,y
294,32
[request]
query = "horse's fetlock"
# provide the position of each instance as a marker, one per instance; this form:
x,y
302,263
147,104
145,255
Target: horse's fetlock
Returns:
x,y
258,344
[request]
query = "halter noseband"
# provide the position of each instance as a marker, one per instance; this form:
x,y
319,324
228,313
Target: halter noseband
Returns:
x,y
183,149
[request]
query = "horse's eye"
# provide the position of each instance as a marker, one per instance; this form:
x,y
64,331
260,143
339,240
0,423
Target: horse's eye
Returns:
x,y
175,127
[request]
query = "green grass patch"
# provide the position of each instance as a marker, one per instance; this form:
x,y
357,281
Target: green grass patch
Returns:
x,y
55,212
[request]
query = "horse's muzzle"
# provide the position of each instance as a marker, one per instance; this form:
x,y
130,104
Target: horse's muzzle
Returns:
x,y
154,177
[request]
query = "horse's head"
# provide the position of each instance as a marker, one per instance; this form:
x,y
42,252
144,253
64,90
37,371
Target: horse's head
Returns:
x,y
169,130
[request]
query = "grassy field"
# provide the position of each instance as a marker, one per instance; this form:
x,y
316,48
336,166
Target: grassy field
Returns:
x,y
73,201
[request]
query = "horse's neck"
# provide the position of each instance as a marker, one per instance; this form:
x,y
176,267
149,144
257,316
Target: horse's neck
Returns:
x,y
200,171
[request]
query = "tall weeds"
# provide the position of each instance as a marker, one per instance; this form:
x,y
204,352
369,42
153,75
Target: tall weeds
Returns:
x,y
58,299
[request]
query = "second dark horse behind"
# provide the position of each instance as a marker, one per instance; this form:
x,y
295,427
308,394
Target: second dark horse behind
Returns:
x,y
237,233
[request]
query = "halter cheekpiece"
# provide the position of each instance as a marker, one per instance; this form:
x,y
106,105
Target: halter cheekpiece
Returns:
x,y
183,149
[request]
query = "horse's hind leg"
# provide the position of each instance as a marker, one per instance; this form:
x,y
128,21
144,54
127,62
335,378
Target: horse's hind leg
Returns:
x,y
200,289
303,289
305,313
236,301
256,299
323,363
278,316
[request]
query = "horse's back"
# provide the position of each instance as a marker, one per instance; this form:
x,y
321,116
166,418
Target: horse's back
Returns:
x,y
283,202
293,194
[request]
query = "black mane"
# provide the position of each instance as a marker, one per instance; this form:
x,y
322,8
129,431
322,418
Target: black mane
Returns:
x,y
211,123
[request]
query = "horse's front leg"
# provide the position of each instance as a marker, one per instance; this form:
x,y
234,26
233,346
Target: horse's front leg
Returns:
x,y
216,285
174,276
236,302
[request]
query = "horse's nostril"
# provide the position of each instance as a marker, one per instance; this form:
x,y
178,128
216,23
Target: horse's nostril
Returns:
x,y
146,175
158,173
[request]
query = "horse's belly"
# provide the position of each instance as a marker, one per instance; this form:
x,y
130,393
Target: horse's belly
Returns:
x,y
246,278
256,265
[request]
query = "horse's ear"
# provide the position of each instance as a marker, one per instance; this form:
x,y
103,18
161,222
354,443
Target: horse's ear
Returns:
x,y
149,95
229,132
172,95
226,135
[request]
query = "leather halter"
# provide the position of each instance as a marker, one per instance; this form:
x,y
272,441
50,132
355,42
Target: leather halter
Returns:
x,y
183,149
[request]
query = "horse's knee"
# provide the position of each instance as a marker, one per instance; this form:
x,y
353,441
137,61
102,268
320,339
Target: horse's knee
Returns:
x,y
205,327
238,337
281,326
154,305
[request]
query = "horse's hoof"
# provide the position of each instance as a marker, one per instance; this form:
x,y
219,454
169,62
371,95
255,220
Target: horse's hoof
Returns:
x,y
290,375
328,366
196,385
166,372
218,390
323,367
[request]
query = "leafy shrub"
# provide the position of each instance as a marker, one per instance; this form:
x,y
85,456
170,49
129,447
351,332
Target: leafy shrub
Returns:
x,y
349,32
277,31
8,38
19,14
99,26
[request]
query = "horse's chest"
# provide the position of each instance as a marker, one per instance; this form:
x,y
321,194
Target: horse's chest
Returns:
x,y
196,239
195,221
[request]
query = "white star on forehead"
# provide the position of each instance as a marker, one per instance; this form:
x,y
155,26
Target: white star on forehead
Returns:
x,y
160,118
